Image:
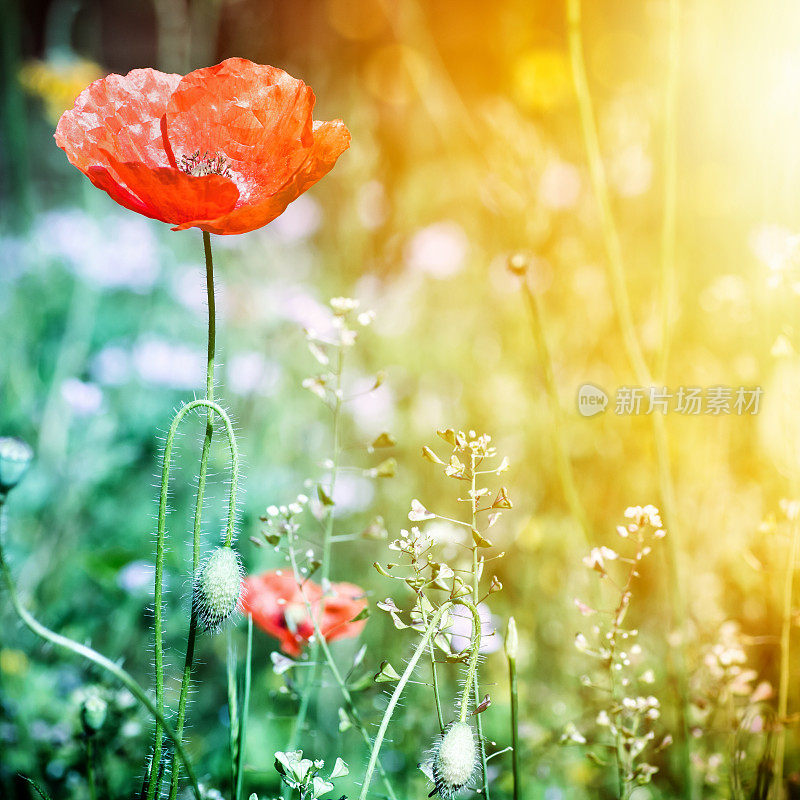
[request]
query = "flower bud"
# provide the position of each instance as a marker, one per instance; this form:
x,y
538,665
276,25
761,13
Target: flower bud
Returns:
x,y
15,457
93,713
217,588
512,640
453,759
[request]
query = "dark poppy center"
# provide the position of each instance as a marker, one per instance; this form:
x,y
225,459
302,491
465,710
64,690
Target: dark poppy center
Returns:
x,y
205,164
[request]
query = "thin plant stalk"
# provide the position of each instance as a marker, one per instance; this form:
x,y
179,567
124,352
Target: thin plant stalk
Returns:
x,y
198,512
435,679
327,544
245,710
90,770
670,199
97,658
622,306
475,601
355,717
513,694
427,635
563,463
785,671
233,706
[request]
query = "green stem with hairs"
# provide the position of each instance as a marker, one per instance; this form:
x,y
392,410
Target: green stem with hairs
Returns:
x,y
622,306
428,634
160,547
97,658
475,601
355,717
198,511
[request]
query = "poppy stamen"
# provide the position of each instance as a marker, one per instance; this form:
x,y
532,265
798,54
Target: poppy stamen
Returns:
x,y
205,164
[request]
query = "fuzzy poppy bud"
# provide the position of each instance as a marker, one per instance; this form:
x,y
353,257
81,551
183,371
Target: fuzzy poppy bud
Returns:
x,y
15,457
453,759
93,714
217,588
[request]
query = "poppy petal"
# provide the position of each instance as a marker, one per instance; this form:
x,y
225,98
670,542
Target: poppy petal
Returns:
x,y
331,139
118,115
258,117
175,197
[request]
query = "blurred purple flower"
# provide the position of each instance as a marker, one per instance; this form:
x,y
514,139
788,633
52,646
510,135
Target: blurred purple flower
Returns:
x,y
251,373
136,577
84,399
461,630
118,252
165,364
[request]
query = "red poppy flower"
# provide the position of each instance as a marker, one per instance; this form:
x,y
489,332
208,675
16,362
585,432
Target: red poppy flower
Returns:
x,y
277,605
224,149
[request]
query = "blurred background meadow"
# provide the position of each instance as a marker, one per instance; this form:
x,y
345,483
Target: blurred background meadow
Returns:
x,y
468,217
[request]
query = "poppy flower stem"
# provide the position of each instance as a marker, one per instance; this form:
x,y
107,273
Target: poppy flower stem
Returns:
x,y
322,642
96,658
160,549
198,512
430,632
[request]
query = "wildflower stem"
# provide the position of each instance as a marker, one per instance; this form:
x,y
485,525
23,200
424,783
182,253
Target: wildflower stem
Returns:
x,y
472,668
563,463
337,675
97,658
783,687
432,627
670,185
245,710
514,698
327,542
198,511
635,354
435,676
160,547
90,771
475,601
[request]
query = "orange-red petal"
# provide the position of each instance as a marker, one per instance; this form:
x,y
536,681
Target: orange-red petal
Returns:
x,y
118,116
331,139
258,117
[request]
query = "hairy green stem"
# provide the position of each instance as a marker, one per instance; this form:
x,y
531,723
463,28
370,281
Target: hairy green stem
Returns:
x,y
198,511
475,601
334,668
635,354
97,658
160,548
430,631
